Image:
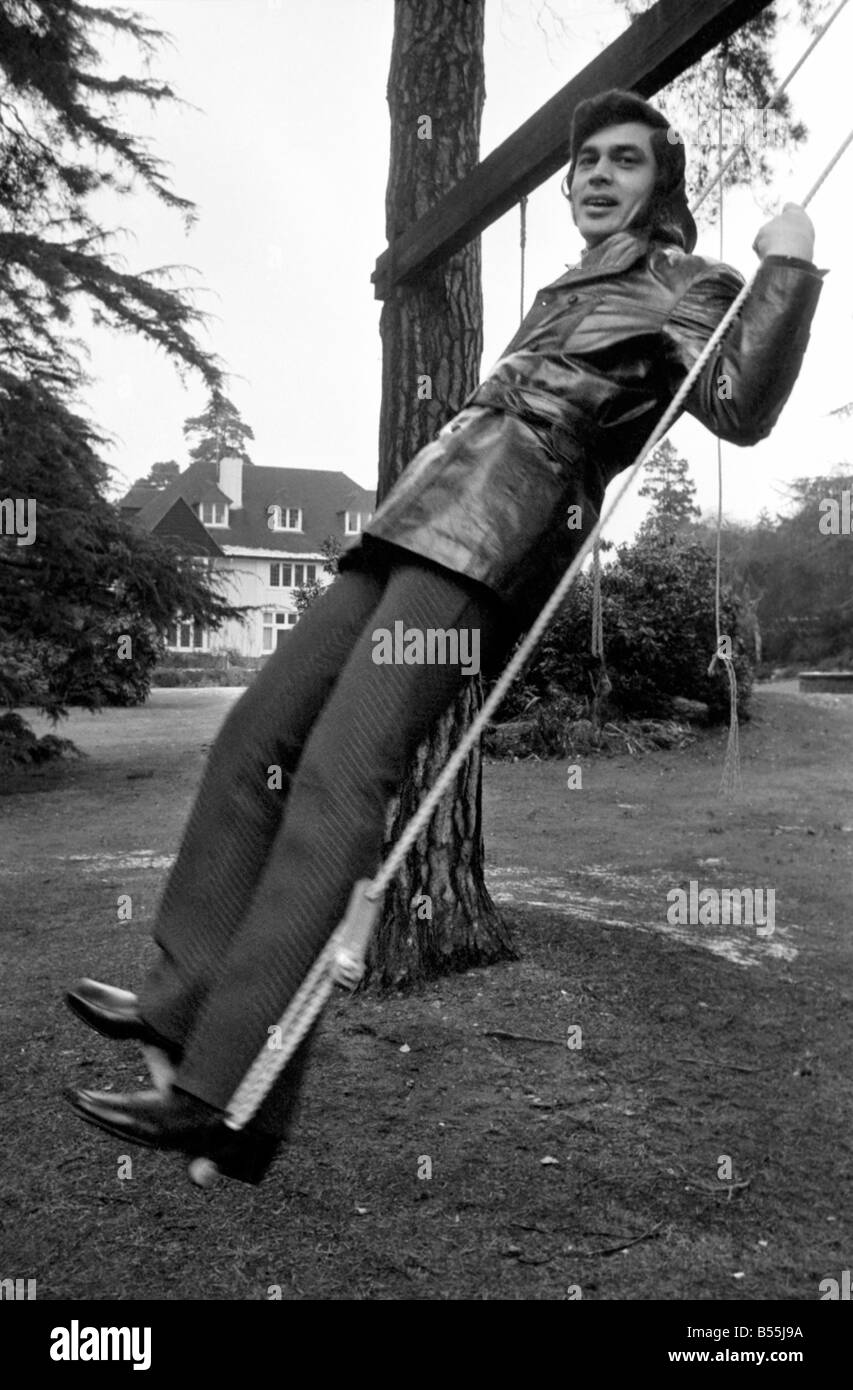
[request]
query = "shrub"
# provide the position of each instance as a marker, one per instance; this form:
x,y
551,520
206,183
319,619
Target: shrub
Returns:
x,y
21,747
659,638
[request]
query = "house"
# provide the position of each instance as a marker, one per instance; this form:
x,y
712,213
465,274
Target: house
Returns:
x,y
262,528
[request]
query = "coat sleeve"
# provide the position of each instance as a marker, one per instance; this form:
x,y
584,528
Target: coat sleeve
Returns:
x,y
749,377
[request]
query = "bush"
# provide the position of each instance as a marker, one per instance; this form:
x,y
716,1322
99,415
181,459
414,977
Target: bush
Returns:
x,y
21,747
93,674
571,738
197,660
205,676
659,638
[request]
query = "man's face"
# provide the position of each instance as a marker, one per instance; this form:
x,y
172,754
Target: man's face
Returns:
x,y
614,178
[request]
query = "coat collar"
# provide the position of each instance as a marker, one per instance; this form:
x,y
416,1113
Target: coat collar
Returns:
x,y
610,257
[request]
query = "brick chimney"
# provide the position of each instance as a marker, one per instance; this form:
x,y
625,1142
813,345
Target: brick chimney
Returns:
x,y
231,479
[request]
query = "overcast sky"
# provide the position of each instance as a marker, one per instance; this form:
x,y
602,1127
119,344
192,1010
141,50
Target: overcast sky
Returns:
x,y
287,159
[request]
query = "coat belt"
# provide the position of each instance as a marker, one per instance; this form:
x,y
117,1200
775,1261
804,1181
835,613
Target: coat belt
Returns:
x,y
569,432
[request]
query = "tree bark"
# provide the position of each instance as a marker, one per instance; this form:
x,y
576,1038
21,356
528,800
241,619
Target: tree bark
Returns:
x,y
437,913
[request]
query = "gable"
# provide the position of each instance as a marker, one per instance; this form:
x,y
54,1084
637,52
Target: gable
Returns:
x,y
180,522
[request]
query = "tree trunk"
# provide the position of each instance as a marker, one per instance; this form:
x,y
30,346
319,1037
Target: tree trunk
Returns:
x,y
437,913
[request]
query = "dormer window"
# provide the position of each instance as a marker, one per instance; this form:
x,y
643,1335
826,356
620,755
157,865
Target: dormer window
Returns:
x,y
352,523
285,518
212,513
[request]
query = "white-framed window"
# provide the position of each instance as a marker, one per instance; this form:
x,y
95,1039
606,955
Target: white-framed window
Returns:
x,y
286,518
352,523
186,636
291,576
212,513
275,625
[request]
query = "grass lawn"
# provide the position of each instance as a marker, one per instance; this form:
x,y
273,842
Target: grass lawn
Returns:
x,y
699,1044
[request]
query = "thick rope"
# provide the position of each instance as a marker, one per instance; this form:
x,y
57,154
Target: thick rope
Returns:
x,y
522,242
731,776
730,781
343,955
828,170
597,643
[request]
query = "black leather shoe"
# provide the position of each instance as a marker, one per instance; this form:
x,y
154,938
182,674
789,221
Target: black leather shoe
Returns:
x,y
174,1120
115,1013
180,1121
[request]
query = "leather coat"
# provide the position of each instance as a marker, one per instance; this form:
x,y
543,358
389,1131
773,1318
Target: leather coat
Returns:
x,y
575,395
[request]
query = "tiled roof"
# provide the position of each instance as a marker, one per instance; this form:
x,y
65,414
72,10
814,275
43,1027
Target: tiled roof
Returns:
x,y
323,494
206,491
139,494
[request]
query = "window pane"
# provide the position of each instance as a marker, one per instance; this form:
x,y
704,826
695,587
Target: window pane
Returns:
x,y
275,572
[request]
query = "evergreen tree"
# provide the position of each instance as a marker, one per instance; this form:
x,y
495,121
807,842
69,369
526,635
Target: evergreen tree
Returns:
x,y
86,577
672,490
218,432
84,605
745,63
59,148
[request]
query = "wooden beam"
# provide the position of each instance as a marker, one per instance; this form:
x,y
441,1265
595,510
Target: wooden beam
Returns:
x,y
657,48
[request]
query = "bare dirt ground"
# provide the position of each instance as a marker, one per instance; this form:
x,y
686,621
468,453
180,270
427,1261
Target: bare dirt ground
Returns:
x,y
555,1170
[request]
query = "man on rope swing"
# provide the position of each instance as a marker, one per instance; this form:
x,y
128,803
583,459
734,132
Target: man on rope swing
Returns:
x,y
473,537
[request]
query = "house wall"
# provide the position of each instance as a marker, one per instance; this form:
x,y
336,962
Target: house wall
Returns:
x,y
246,581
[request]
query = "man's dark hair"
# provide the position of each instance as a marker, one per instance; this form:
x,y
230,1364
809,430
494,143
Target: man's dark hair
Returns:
x,y
668,217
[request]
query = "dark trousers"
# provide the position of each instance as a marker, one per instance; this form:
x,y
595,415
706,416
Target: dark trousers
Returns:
x,y
264,874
